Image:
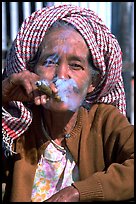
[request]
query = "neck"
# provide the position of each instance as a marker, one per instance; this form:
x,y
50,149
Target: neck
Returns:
x,y
58,124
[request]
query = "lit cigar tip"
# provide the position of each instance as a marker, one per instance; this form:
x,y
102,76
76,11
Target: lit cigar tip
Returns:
x,y
38,83
42,86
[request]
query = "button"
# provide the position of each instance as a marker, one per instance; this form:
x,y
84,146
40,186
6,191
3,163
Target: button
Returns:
x,y
67,135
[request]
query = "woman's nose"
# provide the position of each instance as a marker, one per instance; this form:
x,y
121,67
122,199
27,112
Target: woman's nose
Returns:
x,y
63,71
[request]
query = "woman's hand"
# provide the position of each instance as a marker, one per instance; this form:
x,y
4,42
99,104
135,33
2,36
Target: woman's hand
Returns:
x,y
68,194
21,87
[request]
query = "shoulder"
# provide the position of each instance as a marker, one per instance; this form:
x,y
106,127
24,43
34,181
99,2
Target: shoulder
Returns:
x,y
105,110
108,115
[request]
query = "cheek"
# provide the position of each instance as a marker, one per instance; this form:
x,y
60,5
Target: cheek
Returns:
x,y
45,73
83,80
84,87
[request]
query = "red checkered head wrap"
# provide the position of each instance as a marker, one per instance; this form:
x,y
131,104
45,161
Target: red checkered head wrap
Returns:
x,y
103,46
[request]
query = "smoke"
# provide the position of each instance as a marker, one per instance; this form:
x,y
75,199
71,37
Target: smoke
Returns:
x,y
54,59
69,93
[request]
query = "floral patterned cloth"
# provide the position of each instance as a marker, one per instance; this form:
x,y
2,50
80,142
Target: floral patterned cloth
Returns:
x,y
55,171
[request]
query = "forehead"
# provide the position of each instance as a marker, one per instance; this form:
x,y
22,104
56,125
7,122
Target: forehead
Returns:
x,y
58,38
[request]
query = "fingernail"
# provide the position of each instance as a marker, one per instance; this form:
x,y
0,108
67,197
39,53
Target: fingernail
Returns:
x,y
37,101
44,100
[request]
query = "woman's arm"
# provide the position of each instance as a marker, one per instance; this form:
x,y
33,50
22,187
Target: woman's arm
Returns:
x,y
116,181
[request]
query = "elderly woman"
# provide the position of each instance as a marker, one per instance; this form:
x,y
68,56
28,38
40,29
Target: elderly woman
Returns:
x,y
65,134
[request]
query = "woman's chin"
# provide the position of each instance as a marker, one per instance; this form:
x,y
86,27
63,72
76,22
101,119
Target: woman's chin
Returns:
x,y
58,106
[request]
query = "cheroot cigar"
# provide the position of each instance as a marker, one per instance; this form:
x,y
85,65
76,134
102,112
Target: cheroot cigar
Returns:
x,y
44,87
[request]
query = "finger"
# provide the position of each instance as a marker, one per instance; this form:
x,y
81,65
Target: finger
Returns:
x,y
25,79
53,87
37,97
44,99
29,83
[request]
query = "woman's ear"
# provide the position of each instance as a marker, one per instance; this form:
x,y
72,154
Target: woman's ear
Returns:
x,y
91,88
94,82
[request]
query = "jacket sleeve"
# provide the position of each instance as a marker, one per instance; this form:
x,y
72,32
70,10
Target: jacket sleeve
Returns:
x,y
116,181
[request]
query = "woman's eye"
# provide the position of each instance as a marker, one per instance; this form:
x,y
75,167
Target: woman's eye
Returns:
x,y
49,63
76,66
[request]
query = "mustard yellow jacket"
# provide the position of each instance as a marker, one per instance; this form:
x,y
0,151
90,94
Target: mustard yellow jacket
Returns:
x,y
102,144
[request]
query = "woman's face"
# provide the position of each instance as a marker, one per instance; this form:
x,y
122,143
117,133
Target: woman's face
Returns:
x,y
64,59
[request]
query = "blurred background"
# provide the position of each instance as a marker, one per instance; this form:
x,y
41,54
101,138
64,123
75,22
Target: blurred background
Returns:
x,y
118,16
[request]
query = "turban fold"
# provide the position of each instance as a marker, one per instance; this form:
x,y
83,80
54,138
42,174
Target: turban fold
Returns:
x,y
102,44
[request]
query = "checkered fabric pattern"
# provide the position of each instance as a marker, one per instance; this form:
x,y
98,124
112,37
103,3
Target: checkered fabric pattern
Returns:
x,y
104,48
